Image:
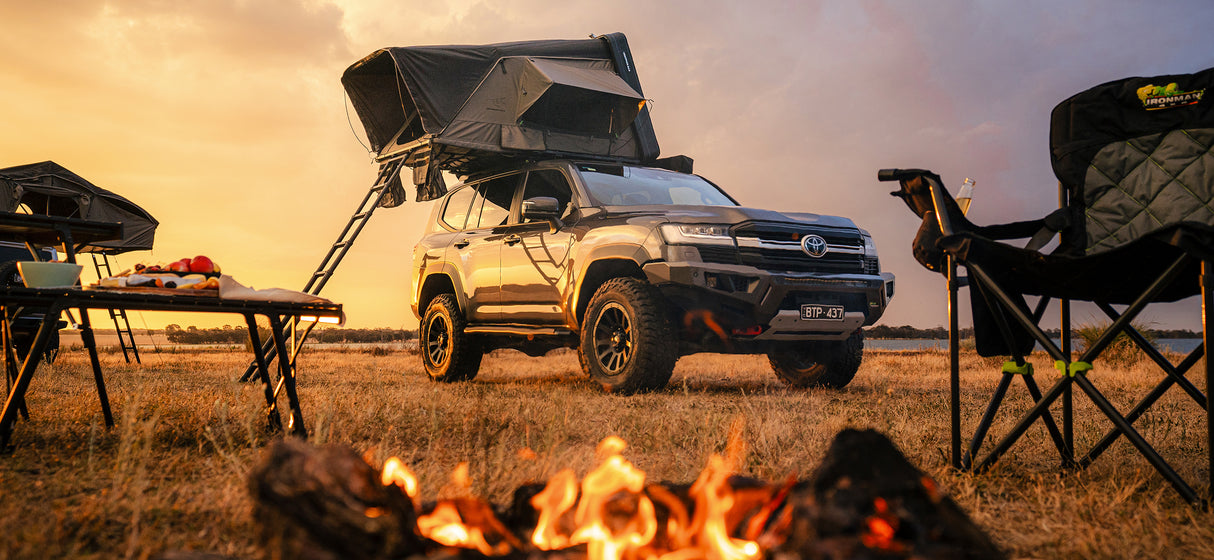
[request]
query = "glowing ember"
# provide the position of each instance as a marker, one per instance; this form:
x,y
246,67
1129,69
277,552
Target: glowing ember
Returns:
x,y
881,528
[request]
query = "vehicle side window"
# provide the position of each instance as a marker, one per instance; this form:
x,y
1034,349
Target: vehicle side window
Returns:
x,y
550,183
456,212
494,198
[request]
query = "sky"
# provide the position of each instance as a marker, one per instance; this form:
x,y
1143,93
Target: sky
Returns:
x,y
226,119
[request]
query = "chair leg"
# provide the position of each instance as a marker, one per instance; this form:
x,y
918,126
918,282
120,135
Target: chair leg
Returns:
x,y
1027,420
1207,300
954,363
1136,439
1141,408
988,417
1175,373
1068,400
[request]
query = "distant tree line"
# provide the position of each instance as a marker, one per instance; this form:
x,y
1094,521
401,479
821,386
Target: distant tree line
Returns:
x,y
229,334
941,333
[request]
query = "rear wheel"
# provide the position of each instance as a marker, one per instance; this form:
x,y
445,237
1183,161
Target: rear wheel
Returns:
x,y
626,342
819,364
448,353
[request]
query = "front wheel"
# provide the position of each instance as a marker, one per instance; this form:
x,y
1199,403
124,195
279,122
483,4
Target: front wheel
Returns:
x,y
448,353
818,364
627,340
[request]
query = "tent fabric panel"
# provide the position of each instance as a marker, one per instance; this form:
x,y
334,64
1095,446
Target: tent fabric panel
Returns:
x,y
519,138
646,139
472,135
380,99
594,75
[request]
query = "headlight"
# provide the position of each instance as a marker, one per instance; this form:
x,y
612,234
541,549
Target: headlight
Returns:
x,y
870,247
696,234
871,264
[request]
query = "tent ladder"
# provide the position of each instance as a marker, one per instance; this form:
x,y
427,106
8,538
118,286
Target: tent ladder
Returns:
x,y
388,171
126,338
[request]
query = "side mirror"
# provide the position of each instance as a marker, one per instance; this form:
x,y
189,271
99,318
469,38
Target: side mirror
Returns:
x,y
542,208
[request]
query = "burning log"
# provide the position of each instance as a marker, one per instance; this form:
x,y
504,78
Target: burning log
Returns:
x,y
867,501
864,501
327,503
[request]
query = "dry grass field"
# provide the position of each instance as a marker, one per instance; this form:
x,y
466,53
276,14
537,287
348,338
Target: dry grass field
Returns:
x,y
171,474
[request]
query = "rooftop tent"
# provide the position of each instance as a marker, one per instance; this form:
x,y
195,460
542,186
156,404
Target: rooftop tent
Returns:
x,y
49,189
466,108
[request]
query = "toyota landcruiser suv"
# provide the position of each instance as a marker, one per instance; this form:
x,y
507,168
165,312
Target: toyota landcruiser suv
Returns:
x,y
636,266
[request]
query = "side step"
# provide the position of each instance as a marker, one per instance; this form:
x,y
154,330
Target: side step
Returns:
x,y
521,330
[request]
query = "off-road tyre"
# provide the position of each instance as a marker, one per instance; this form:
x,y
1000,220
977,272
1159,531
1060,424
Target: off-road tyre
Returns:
x,y
448,353
830,365
627,340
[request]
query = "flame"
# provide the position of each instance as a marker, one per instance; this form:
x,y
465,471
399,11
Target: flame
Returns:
x,y
714,498
556,498
612,512
395,472
445,526
600,486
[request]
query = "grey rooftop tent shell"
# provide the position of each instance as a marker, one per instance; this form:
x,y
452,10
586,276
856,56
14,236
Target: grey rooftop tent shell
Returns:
x,y
467,108
49,189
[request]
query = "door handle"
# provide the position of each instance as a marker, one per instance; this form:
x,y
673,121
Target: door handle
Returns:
x,y
512,239
461,243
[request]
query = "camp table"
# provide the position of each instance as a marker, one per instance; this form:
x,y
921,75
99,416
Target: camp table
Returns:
x,y
56,300
72,233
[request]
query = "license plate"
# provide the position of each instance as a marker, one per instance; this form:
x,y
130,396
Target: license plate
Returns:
x,y
827,312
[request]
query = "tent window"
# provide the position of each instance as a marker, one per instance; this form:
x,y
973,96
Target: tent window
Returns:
x,y
580,111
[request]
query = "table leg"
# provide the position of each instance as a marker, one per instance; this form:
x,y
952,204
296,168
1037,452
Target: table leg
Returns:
x,y
10,358
17,396
90,342
263,371
287,377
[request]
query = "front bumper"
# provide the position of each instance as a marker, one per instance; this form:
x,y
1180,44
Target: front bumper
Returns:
x,y
747,303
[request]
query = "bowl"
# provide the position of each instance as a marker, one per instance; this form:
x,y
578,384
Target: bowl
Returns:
x,y
49,274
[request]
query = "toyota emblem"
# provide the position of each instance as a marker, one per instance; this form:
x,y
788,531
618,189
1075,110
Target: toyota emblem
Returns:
x,y
814,246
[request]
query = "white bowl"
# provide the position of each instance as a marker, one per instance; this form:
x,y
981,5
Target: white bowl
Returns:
x,y
49,274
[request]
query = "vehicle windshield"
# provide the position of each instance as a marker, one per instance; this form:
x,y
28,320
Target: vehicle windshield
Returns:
x,y
621,185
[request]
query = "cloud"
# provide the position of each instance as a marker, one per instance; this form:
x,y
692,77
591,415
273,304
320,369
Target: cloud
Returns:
x,y
225,118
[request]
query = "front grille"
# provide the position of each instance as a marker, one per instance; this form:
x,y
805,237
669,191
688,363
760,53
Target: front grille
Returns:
x,y
798,261
777,247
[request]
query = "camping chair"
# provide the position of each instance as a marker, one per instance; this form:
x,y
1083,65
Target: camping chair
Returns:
x,y
1135,163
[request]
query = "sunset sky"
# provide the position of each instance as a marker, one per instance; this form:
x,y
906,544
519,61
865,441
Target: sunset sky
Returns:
x,y
226,119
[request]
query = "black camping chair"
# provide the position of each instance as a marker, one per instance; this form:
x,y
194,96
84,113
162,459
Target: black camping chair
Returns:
x,y
1135,163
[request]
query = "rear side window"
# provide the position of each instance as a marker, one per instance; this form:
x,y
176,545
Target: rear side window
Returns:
x,y
492,205
456,212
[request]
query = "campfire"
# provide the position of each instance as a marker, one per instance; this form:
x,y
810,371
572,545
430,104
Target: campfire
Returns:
x,y
864,501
